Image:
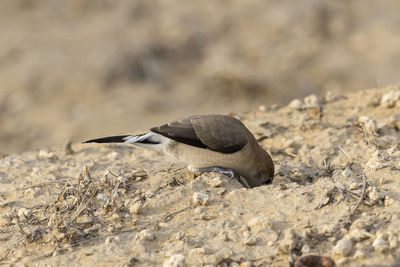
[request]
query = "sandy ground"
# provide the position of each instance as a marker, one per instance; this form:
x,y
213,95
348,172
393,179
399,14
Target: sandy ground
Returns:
x,y
335,193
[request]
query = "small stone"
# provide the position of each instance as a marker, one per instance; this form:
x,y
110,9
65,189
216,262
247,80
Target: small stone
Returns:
x,y
176,260
216,182
311,101
388,201
270,243
330,97
305,249
146,235
234,264
369,124
46,155
250,241
374,195
390,99
201,198
23,214
135,208
343,247
358,235
110,228
378,160
354,186
379,244
102,197
262,108
295,104
111,240
347,173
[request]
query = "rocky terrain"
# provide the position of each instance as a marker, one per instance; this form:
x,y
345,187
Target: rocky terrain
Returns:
x,y
335,193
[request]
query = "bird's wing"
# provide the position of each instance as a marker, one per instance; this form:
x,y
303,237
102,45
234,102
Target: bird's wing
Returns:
x,y
219,133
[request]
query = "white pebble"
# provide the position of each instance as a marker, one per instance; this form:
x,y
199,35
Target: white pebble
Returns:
x,y
201,198
305,249
389,99
250,241
343,247
176,260
295,104
216,182
311,101
379,244
23,213
135,208
369,124
46,155
111,240
146,235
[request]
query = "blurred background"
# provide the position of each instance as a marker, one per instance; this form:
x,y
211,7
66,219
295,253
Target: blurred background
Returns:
x,y
81,69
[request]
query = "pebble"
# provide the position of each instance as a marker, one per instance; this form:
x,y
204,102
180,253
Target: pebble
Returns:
x,y
378,160
102,197
146,235
347,173
296,104
23,213
311,101
330,97
343,247
305,249
251,241
46,155
136,207
379,244
176,260
369,124
111,240
358,235
201,198
288,242
390,99
374,195
260,222
216,182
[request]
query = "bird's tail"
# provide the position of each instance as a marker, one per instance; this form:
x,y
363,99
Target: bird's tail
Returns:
x,y
146,138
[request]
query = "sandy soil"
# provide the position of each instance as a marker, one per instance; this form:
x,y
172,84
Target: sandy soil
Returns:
x,y
335,193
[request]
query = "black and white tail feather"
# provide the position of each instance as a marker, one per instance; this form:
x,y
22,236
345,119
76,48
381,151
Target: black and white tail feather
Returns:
x,y
148,140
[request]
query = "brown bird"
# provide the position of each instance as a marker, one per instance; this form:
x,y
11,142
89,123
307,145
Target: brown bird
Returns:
x,y
208,143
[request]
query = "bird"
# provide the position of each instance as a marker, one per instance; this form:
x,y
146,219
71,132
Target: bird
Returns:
x,y
208,143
